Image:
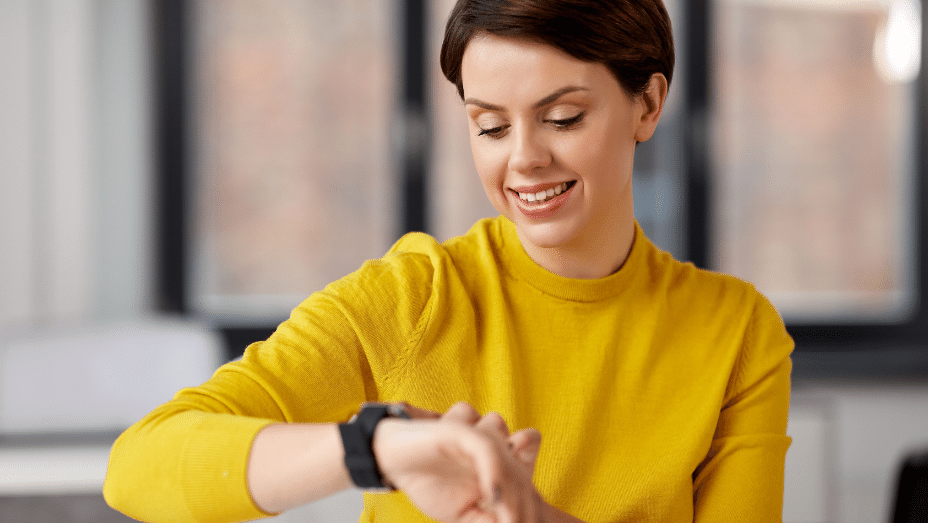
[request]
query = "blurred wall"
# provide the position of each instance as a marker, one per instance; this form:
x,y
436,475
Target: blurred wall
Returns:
x,y
75,161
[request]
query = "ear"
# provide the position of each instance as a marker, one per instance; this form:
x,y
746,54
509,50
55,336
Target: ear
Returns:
x,y
651,103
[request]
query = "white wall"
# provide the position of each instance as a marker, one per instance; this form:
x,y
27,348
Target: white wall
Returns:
x,y
849,440
75,161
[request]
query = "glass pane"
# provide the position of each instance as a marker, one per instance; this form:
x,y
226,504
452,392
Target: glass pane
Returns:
x,y
814,145
458,199
293,173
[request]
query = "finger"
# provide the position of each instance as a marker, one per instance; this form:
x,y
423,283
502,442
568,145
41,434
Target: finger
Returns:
x,y
486,455
494,424
532,507
417,412
525,445
504,509
462,412
519,501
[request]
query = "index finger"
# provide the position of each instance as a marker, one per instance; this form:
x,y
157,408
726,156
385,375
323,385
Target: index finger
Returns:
x,y
493,423
462,412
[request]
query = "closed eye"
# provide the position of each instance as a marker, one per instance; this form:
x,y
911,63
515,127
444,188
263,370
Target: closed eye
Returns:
x,y
493,132
567,123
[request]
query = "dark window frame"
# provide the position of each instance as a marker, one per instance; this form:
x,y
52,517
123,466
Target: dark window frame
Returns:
x,y
852,350
170,46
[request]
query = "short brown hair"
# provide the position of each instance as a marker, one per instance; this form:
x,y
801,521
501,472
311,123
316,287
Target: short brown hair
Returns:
x,y
632,38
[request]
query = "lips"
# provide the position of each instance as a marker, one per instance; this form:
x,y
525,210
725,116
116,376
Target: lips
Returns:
x,y
543,200
543,195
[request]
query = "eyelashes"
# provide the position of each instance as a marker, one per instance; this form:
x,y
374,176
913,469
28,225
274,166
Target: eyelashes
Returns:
x,y
567,123
493,132
561,124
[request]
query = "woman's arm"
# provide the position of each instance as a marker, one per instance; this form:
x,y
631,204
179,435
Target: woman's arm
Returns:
x,y
742,476
292,464
460,467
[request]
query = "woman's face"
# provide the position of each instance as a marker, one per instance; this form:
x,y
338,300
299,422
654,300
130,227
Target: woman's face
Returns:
x,y
553,140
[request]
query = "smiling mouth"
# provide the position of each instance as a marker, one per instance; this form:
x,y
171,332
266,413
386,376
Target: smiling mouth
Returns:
x,y
543,196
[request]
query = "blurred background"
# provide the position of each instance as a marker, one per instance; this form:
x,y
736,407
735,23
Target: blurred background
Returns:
x,y
177,175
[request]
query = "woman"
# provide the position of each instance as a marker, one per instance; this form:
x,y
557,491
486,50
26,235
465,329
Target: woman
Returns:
x,y
661,390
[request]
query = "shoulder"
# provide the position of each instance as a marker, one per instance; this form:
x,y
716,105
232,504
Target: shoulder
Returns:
x,y
738,315
462,260
712,300
403,274
418,266
685,282
484,237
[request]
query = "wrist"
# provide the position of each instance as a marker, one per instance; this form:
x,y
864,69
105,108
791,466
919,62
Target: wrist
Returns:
x,y
384,451
358,441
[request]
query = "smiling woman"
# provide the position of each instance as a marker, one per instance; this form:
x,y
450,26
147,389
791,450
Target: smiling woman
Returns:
x,y
661,390
543,121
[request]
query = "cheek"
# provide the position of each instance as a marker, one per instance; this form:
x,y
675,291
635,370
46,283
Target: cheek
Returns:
x,y
492,174
604,154
487,160
582,155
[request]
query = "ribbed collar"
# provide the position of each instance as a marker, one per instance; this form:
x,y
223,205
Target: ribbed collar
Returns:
x,y
524,268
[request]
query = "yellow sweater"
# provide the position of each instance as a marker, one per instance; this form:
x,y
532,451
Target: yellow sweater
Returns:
x,y
661,391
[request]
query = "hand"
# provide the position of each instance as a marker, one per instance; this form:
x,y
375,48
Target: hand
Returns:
x,y
523,445
417,412
462,467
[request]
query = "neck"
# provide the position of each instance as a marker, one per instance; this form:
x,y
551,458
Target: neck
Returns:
x,y
591,256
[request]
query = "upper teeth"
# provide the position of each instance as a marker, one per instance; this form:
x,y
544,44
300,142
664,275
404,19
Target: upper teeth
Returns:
x,y
541,196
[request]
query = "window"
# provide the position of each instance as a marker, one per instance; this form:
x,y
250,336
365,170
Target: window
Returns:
x,y
815,154
292,171
298,139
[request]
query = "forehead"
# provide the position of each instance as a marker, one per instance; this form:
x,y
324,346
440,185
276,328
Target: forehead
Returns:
x,y
499,66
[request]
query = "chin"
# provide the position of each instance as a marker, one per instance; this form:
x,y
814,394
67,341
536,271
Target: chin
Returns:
x,y
548,235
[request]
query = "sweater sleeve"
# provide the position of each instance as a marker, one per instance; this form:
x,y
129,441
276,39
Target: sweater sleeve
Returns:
x,y
741,478
187,460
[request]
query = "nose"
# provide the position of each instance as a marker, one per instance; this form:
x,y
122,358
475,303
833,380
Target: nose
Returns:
x,y
529,152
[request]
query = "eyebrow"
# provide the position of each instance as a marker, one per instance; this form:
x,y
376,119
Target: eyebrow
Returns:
x,y
539,104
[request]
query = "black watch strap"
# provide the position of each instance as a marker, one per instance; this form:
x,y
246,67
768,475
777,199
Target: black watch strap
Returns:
x,y
357,436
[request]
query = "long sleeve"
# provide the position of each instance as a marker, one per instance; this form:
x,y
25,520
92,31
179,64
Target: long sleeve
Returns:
x,y
741,478
187,460
182,465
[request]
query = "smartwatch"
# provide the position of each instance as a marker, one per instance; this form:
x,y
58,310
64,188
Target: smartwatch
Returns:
x,y
357,437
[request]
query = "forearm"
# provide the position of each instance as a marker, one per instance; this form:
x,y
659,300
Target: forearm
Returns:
x,y
183,465
294,464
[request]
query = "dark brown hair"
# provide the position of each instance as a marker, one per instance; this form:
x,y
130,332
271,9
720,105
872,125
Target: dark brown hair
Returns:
x,y
631,37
